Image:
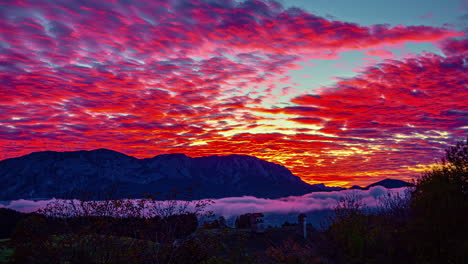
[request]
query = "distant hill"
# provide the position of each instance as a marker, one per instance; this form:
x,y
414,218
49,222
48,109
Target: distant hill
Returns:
x,y
357,187
387,183
49,174
390,183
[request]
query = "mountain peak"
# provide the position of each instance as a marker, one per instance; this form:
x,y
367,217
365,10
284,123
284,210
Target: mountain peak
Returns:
x,y
51,152
173,155
390,183
104,150
55,174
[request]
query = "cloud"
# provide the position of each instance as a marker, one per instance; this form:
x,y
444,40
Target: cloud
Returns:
x,y
392,116
317,201
205,77
25,206
426,16
234,206
454,46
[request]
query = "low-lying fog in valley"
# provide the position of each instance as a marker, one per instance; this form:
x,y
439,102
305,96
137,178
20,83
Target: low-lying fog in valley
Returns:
x,y
317,204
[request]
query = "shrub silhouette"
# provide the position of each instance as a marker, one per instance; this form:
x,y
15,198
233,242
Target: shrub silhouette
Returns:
x,y
108,231
289,252
440,209
427,225
8,220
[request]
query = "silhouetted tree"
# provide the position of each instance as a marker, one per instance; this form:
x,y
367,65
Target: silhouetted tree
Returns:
x,y
349,230
109,231
289,252
8,220
440,209
428,224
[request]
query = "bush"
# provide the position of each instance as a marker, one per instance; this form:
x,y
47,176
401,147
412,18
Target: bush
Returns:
x,y
290,252
440,204
8,221
427,225
108,231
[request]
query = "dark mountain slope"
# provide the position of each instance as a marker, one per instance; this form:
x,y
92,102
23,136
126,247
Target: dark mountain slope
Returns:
x,y
57,174
390,183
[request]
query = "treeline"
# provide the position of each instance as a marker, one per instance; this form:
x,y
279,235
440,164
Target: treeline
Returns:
x,y
105,231
154,229
8,220
429,224
426,225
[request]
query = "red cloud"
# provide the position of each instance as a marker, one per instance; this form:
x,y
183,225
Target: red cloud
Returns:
x,y
150,77
401,110
454,46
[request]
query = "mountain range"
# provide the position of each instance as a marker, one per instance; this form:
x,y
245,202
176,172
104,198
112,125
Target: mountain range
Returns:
x,y
48,174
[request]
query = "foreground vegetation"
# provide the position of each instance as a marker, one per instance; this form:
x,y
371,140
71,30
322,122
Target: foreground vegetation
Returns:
x,y
428,224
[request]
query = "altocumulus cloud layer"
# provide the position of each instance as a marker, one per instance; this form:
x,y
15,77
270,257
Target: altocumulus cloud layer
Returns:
x,y
233,206
212,77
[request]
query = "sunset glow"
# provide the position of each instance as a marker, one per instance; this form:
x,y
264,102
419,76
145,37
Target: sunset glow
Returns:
x,y
336,101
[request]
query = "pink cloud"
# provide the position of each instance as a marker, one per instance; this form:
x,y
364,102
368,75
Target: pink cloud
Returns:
x,y
426,16
151,77
234,206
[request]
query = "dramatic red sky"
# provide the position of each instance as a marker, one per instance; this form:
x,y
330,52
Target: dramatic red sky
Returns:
x,y
338,100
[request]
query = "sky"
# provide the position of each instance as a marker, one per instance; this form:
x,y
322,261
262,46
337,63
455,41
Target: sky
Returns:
x,y
340,92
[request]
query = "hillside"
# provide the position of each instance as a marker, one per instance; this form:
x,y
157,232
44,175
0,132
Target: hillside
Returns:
x,y
56,174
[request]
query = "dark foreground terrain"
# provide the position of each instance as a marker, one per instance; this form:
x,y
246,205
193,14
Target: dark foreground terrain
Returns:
x,y
428,225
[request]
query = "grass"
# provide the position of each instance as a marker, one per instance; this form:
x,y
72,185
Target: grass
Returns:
x,y
6,252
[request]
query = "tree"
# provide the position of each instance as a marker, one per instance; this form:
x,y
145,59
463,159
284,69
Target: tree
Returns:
x,y
439,203
289,252
8,220
349,230
109,230
425,224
